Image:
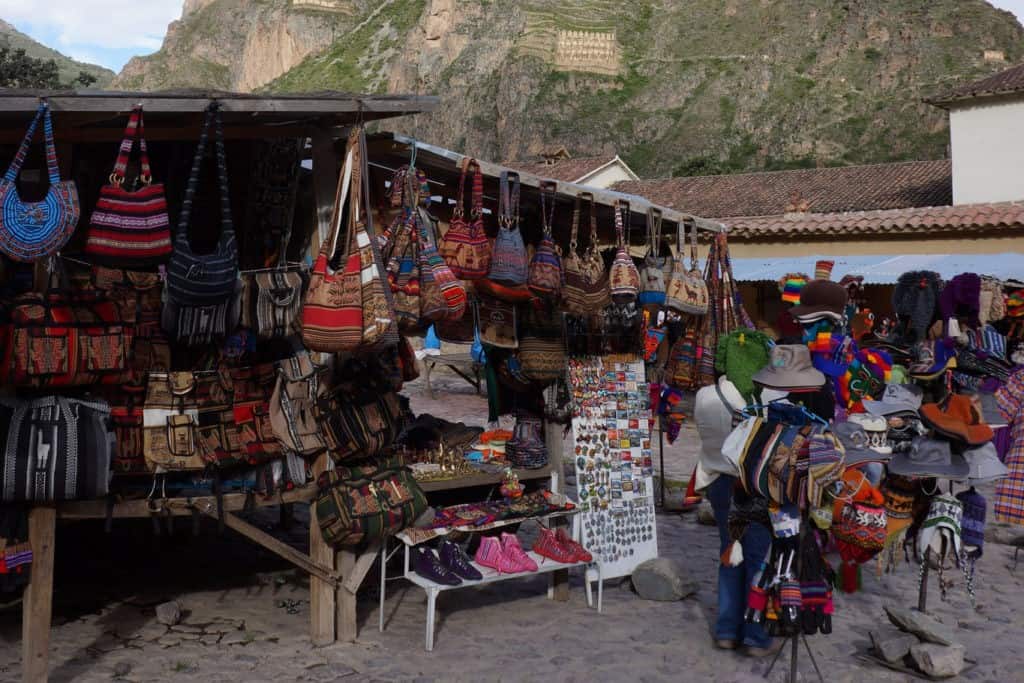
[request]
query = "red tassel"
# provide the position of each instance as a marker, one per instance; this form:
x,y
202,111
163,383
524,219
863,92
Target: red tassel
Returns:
x,y
849,577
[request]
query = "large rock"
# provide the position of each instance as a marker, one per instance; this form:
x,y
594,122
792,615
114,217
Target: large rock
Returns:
x,y
168,613
940,661
662,579
921,625
892,644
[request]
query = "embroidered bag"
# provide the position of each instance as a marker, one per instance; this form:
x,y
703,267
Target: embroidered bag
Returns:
x,y
332,311
585,291
496,321
272,302
138,297
360,425
400,254
253,387
508,258
127,228
545,272
54,448
687,292
465,246
441,276
126,421
32,230
201,289
300,384
169,419
624,277
217,436
652,275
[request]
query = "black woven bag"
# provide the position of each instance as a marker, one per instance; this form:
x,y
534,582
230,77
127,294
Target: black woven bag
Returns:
x,y
202,289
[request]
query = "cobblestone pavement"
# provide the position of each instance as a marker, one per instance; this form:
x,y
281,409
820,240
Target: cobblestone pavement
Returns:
x,y
246,615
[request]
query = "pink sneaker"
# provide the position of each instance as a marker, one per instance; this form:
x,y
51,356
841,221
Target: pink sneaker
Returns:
x,y
518,558
490,554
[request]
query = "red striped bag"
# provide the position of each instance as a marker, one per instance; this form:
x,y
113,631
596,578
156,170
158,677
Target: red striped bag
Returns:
x,y
332,312
465,246
452,289
129,228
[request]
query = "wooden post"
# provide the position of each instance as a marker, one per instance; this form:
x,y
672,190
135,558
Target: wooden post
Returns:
x,y
348,627
321,593
37,604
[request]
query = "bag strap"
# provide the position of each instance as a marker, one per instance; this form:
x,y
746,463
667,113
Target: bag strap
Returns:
x,y
654,220
621,207
693,247
458,210
330,245
134,129
509,200
574,231
185,218
43,112
476,211
548,188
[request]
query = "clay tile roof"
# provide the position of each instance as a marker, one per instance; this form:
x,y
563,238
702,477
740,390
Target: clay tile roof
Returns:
x,y
1003,83
963,220
821,190
568,170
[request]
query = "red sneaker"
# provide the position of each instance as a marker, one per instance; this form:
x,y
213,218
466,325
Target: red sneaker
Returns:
x,y
548,546
579,552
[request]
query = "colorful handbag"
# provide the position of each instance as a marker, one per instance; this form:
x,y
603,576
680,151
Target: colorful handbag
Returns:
x,y
624,278
272,302
585,292
359,425
126,420
300,384
332,312
441,276
127,228
508,258
652,275
253,387
545,272
32,230
54,448
542,359
202,289
687,292
170,419
400,253
367,502
217,436
465,246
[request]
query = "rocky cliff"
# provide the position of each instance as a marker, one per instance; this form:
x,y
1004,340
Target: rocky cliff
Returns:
x,y
675,86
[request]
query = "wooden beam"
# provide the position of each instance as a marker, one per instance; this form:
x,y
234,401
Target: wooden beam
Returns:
x,y
76,135
362,567
178,507
279,548
37,604
346,618
322,594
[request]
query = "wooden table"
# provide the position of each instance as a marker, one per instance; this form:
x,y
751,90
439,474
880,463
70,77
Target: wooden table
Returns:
x,y
462,364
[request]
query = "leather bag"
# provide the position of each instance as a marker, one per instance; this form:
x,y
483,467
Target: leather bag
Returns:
x,y
130,228
31,230
465,246
624,277
170,420
545,272
687,291
585,292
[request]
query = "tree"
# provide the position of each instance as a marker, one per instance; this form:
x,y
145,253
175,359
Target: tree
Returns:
x,y
19,70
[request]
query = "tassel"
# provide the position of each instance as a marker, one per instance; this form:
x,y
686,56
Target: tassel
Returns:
x,y
733,555
849,577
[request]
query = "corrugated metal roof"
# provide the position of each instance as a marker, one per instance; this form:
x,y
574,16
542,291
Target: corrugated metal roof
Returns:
x,y
882,269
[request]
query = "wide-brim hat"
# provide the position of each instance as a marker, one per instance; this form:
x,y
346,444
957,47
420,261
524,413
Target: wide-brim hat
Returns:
x,y
897,399
857,444
929,458
877,429
821,296
932,358
984,464
957,420
790,368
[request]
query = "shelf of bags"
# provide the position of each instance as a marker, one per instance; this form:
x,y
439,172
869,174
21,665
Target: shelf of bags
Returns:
x,y
484,479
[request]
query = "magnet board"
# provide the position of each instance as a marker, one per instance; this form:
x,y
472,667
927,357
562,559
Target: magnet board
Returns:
x,y
613,459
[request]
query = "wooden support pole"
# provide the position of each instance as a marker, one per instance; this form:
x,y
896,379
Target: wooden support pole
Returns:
x,y
37,605
558,588
348,628
362,567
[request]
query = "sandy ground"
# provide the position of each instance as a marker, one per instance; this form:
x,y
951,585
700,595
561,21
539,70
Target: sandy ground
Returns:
x,y
247,613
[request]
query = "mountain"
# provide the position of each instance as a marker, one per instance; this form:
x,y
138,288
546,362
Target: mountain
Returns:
x,y
14,39
674,86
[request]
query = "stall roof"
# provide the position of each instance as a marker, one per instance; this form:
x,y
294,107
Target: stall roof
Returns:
x,y
393,150
882,269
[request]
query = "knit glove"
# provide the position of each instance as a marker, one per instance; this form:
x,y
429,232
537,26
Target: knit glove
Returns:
x,y
813,595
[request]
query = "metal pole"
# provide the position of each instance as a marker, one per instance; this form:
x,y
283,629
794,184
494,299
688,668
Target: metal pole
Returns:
x,y
792,659
661,462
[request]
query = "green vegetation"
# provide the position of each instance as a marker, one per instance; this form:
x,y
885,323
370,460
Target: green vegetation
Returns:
x,y
18,70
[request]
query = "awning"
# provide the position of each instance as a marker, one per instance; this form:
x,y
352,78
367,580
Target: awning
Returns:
x,y
882,269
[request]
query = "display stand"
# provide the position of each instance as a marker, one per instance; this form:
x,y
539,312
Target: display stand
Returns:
x,y
793,657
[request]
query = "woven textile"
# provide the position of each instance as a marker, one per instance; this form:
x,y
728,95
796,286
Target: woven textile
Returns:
x,y
465,246
508,259
30,231
1009,499
624,278
585,292
545,272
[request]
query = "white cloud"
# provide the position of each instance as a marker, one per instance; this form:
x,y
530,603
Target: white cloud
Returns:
x,y
107,24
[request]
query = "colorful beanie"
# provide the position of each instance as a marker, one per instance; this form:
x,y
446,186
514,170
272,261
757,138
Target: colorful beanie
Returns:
x,y
823,269
790,286
869,371
972,526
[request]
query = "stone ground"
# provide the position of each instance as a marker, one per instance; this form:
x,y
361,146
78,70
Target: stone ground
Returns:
x,y
247,614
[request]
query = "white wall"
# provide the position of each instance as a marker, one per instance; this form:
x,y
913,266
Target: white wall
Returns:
x,y
987,143
608,176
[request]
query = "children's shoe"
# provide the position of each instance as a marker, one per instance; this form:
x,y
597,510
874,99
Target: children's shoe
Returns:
x,y
454,557
548,546
490,554
581,554
426,564
517,557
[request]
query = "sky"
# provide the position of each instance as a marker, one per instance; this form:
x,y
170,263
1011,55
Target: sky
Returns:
x,y
110,32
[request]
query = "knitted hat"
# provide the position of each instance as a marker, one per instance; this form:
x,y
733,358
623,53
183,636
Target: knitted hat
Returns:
x,y
824,467
866,377
961,298
972,527
820,298
915,299
899,493
790,286
940,531
853,283
823,269
1015,304
740,355
831,353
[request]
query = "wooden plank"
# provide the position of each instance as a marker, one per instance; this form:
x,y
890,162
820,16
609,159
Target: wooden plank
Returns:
x,y
178,507
346,618
322,595
64,133
37,604
362,567
484,479
279,548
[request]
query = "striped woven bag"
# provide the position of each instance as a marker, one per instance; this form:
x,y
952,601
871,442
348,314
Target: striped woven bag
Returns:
x,y
202,302
465,246
129,228
32,230
452,290
625,278
508,259
545,274
585,292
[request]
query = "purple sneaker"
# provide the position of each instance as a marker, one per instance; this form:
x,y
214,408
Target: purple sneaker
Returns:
x,y
457,561
426,564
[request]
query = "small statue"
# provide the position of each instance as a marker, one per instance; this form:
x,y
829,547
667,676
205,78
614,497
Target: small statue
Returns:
x,y
510,486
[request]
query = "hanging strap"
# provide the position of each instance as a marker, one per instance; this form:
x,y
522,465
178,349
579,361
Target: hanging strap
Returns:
x,y
477,209
621,207
43,112
574,232
693,247
185,218
330,245
654,219
509,209
135,128
548,188
459,211
589,196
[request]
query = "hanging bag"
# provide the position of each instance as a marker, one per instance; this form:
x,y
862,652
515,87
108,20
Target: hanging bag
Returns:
x,y
586,281
465,246
32,230
400,254
332,312
300,384
508,260
440,275
545,273
652,276
625,278
170,420
687,291
130,229
201,290
272,301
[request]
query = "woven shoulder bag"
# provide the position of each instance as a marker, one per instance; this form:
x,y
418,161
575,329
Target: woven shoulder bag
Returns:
x,y
465,246
625,278
130,228
585,291
687,291
545,272
202,303
508,259
652,275
32,230
441,276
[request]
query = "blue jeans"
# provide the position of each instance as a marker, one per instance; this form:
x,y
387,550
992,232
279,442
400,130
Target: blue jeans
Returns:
x,y
734,582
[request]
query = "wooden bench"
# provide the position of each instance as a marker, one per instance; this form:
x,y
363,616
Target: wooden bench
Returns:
x,y
462,364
